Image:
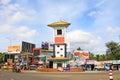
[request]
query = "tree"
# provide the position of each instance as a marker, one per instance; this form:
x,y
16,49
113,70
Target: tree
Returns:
x,y
97,57
79,49
92,56
2,57
113,51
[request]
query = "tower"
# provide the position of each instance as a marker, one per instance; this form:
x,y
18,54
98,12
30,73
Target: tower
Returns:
x,y
59,39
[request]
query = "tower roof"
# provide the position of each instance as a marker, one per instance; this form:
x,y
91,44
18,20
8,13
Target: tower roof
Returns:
x,y
59,23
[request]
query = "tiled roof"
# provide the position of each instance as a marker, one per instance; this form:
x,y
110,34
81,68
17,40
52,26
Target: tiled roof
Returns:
x,y
59,23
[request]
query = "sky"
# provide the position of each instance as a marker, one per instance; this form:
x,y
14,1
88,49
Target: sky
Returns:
x,y
93,22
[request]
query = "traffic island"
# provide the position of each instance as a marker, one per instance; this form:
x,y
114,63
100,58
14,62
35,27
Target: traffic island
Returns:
x,y
56,70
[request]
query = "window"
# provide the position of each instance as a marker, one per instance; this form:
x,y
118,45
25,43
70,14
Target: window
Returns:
x,y
58,46
59,64
36,52
59,32
58,52
61,49
61,55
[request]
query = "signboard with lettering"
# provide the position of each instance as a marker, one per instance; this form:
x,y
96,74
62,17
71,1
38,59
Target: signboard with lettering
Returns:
x,y
14,49
82,54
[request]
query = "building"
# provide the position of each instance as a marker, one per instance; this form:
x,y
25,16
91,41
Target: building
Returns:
x,y
59,58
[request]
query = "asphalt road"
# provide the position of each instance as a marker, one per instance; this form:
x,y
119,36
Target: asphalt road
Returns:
x,y
29,75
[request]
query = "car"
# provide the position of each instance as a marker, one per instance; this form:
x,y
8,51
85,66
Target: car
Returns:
x,y
32,67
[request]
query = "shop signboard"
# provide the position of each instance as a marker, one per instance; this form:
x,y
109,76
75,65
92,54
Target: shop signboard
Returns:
x,y
99,65
90,61
14,49
47,45
108,61
80,61
82,54
27,47
50,47
116,61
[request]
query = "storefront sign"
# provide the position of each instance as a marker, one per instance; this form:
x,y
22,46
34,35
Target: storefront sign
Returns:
x,y
14,49
82,54
116,61
90,61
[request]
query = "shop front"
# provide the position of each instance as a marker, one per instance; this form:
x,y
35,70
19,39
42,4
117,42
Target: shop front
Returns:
x,y
116,65
90,65
58,62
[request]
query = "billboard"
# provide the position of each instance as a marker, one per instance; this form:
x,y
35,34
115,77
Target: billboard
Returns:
x,y
14,49
27,47
47,46
51,45
81,54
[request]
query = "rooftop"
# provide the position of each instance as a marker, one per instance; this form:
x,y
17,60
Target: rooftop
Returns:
x,y
59,23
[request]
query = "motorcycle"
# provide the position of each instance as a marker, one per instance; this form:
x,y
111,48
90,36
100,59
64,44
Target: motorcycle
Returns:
x,y
16,68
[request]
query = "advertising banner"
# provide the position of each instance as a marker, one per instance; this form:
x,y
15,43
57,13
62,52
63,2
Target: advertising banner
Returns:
x,y
47,46
27,47
82,54
14,49
91,61
80,61
116,61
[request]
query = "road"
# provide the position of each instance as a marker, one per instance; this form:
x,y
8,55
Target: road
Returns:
x,y
92,75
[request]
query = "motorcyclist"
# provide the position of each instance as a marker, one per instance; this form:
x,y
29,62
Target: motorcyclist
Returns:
x,y
18,66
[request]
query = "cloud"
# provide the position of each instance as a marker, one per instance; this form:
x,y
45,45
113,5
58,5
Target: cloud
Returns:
x,y
4,1
5,28
113,29
92,13
18,16
85,40
108,14
24,32
80,36
15,13
18,33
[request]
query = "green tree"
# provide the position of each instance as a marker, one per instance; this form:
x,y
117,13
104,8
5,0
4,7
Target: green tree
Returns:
x,y
79,49
113,51
2,57
92,56
97,57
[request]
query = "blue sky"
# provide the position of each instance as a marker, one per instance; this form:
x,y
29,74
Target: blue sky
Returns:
x,y
93,22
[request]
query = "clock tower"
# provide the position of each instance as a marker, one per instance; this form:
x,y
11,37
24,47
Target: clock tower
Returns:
x,y
60,45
